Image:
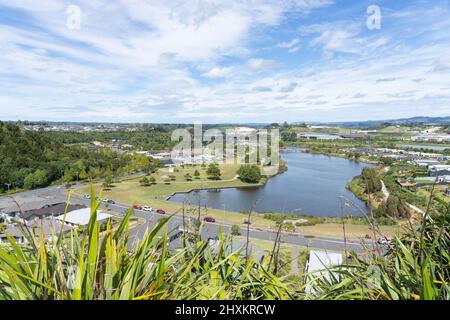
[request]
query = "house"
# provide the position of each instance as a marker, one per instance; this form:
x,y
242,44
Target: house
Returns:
x,y
354,136
48,226
317,136
81,217
439,170
50,210
318,263
407,184
425,162
444,179
12,231
447,192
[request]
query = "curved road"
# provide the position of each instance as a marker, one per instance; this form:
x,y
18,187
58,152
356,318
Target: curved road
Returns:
x,y
210,230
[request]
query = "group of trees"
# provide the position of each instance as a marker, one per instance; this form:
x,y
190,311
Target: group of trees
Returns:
x,y
371,180
147,182
36,159
213,172
250,173
392,207
145,137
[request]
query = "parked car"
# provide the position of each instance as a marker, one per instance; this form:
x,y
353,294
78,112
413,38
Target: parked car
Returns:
x,y
137,207
209,219
86,196
106,200
147,208
383,241
160,211
246,221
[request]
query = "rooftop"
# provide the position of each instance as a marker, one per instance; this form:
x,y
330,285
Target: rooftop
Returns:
x,y
81,217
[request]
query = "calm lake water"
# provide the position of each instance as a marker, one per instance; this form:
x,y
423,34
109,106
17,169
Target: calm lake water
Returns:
x,y
418,146
311,186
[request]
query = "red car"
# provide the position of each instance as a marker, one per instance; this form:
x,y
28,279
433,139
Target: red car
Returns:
x,y
209,219
137,207
160,211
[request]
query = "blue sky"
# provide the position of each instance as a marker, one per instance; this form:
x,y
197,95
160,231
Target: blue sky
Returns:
x,y
223,61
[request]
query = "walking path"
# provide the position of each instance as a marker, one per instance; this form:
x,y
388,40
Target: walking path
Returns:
x,y
384,190
294,260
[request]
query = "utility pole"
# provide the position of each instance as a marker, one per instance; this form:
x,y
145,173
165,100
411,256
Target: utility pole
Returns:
x,y
343,228
248,231
184,226
277,239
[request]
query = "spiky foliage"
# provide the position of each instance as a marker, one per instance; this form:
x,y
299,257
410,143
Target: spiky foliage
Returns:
x,y
91,265
416,266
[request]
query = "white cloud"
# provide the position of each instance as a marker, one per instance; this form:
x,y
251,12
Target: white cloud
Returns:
x,y
217,72
147,60
259,65
290,44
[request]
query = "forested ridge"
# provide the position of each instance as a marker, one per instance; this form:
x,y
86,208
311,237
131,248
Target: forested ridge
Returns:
x,y
33,159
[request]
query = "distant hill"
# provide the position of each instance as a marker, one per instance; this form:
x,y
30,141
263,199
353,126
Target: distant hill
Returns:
x,y
377,123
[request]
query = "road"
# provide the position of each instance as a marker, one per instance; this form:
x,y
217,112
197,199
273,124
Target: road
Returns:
x,y
210,230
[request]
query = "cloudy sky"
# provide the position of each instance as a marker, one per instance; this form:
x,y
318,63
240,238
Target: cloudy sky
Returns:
x,y
223,61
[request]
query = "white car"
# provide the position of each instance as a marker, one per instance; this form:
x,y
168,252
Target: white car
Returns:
x,y
147,208
384,241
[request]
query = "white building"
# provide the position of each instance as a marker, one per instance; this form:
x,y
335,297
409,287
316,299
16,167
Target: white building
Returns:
x,y
318,263
81,217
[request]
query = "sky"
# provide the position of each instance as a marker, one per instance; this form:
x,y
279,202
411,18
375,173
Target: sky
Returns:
x,y
219,61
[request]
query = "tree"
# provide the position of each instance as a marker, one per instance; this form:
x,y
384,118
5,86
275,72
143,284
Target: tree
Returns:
x,y
393,207
145,182
196,174
152,180
387,161
235,230
188,177
249,173
371,180
35,180
108,182
83,175
68,176
213,172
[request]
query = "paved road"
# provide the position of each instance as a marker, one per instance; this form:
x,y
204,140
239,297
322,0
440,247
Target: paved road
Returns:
x,y
210,230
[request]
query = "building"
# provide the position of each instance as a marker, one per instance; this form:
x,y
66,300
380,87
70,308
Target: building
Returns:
x,y
444,179
317,136
318,263
439,170
12,231
81,217
48,226
50,210
354,136
432,138
425,162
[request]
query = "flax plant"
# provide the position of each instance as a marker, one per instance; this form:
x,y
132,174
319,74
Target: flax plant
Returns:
x,y
87,264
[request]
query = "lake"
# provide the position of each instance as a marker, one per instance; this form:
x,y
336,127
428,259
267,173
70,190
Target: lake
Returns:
x,y
311,186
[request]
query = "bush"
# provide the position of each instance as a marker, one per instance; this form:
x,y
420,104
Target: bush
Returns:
x,y
213,172
235,230
249,173
35,180
145,182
